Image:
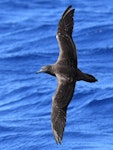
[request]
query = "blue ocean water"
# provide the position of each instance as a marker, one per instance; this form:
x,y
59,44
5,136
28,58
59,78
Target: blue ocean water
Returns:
x,y
27,42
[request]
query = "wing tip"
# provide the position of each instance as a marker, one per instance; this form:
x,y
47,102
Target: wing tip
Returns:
x,y
66,22
57,138
68,9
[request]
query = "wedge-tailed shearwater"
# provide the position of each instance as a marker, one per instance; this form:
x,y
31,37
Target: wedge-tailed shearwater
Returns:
x,y
67,73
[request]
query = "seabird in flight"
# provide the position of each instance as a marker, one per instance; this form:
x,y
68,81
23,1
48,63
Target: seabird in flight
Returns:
x,y
67,73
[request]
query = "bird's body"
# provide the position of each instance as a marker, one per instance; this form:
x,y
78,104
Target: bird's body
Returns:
x,y
67,73
61,70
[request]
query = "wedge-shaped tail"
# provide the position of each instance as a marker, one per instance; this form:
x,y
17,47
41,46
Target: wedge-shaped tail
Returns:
x,y
85,77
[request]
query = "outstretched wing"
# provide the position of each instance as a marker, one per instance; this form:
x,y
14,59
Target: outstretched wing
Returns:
x,y
64,36
60,102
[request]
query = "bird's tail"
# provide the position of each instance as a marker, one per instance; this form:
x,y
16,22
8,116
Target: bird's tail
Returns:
x,y
85,77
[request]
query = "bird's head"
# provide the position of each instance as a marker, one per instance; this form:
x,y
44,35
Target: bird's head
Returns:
x,y
46,69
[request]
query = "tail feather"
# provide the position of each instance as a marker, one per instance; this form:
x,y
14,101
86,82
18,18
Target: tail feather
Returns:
x,y
85,77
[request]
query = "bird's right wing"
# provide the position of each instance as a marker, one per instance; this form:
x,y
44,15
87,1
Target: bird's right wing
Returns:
x,y
60,102
64,36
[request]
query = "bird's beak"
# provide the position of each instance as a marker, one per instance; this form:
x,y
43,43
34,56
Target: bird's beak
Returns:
x,y
40,71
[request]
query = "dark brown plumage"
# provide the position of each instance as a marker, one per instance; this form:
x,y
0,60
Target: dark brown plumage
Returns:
x,y
67,73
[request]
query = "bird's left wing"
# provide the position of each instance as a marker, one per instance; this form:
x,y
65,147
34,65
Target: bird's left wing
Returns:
x,y
64,37
60,102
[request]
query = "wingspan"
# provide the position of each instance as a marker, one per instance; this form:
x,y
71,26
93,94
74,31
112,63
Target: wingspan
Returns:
x,y
64,36
60,103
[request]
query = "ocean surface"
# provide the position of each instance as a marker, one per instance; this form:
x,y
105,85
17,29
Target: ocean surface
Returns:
x,y
28,42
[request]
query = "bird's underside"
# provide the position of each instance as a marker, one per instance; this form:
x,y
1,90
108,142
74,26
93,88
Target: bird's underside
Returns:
x,y
65,89
67,59
67,73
